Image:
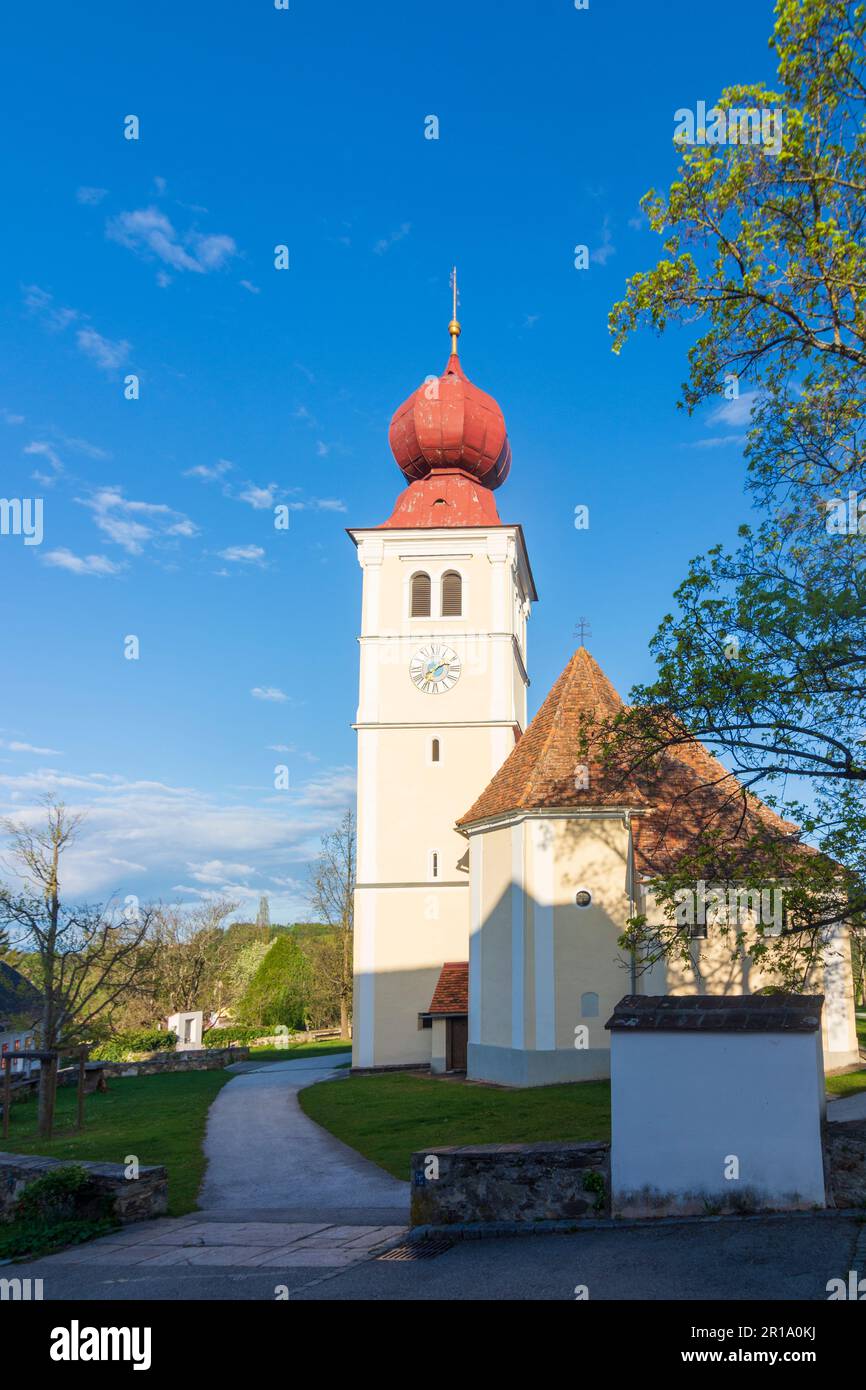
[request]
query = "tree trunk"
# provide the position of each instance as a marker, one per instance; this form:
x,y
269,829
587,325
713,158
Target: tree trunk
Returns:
x,y
344,1017
47,1094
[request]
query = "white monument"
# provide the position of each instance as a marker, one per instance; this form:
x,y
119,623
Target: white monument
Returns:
x,y
189,1028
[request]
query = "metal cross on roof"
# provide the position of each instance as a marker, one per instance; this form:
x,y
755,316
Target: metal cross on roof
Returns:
x,y
583,630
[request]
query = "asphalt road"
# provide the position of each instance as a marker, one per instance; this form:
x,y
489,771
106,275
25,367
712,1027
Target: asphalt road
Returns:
x,y
753,1258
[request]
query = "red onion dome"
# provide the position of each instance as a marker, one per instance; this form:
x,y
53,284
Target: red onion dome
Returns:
x,y
449,423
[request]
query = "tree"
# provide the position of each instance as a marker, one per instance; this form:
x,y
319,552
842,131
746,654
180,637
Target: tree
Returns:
x,y
765,657
195,957
333,901
278,992
263,917
84,958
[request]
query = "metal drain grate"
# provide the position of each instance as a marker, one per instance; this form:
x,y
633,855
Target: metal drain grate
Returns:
x,y
426,1249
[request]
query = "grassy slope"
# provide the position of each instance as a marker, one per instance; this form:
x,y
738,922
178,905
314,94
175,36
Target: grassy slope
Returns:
x,y
387,1118
286,1054
160,1119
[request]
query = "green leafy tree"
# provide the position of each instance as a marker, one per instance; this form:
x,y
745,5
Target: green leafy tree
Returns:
x,y
333,901
279,991
765,657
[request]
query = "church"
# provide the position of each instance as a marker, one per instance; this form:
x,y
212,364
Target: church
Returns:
x,y
495,871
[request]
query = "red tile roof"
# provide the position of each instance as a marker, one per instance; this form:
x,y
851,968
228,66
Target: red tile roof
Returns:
x,y
688,795
451,995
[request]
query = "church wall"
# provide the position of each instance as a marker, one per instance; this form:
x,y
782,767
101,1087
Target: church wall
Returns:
x,y
714,972
496,943
528,918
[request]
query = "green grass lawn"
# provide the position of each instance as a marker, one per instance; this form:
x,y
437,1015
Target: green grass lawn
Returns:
x,y
160,1119
846,1084
285,1054
387,1118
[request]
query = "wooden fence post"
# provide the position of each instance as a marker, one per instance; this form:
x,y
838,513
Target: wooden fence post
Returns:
x,y
7,1095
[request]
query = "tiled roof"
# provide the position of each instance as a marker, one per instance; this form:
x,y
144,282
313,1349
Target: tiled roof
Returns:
x,y
705,1013
545,768
451,995
686,796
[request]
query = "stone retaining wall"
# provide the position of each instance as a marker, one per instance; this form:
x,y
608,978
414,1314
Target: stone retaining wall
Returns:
x,y
203,1059
510,1182
132,1199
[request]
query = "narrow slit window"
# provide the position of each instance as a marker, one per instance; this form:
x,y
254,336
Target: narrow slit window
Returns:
x,y
434,863
434,751
421,592
452,595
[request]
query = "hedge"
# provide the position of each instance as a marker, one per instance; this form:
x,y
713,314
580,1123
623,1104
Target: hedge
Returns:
x,y
125,1047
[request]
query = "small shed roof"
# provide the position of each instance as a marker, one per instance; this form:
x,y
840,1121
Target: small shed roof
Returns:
x,y
451,995
721,1013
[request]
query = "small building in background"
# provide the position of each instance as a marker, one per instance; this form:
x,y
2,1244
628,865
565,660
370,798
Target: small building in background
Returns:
x,y
20,1007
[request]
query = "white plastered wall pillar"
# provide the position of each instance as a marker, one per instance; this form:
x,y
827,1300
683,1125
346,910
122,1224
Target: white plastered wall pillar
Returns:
x,y
544,955
370,556
841,1048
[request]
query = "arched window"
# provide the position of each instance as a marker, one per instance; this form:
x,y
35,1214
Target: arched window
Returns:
x,y
420,596
589,1004
434,751
452,595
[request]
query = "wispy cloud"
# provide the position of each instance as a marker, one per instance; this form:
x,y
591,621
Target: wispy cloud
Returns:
x,y
15,747
105,352
736,412
132,524
90,197
40,449
210,472
602,254
248,285
150,234
80,564
385,243
260,498
243,554
269,692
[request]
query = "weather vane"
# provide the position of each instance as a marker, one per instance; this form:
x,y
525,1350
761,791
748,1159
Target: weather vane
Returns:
x,y
583,630
454,326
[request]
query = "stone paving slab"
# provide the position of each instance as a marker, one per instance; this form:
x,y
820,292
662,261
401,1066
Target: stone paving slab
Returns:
x,y
247,1244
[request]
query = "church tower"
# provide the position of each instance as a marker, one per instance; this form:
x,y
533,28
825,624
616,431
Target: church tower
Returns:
x,y
447,591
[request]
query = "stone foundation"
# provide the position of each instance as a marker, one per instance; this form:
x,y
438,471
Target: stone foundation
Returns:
x,y
510,1182
132,1199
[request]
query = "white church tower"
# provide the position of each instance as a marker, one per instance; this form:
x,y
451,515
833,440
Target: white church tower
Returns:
x,y
447,590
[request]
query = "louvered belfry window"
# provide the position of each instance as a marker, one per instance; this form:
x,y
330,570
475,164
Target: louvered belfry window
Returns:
x,y
452,595
420,596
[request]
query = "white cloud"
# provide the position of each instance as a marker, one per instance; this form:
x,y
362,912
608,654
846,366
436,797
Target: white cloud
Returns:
x,y
149,233
108,354
260,498
269,692
42,450
39,302
15,747
386,243
717,441
209,472
12,419
248,285
145,837
243,554
736,412
80,564
90,196
602,254
132,524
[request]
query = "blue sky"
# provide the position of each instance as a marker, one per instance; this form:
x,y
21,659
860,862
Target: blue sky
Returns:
x,y
305,127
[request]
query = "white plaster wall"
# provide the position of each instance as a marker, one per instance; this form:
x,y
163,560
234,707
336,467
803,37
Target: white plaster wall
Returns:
x,y
684,1103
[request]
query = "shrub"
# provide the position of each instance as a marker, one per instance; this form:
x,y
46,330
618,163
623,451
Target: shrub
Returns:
x,y
223,1037
63,1194
126,1047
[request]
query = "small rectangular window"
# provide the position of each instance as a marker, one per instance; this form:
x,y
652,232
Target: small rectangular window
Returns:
x,y
434,863
434,751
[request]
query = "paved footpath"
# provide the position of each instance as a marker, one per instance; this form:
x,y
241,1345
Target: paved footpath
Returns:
x,y
280,1195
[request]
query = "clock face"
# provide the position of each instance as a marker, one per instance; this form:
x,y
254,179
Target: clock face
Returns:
x,y
434,669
